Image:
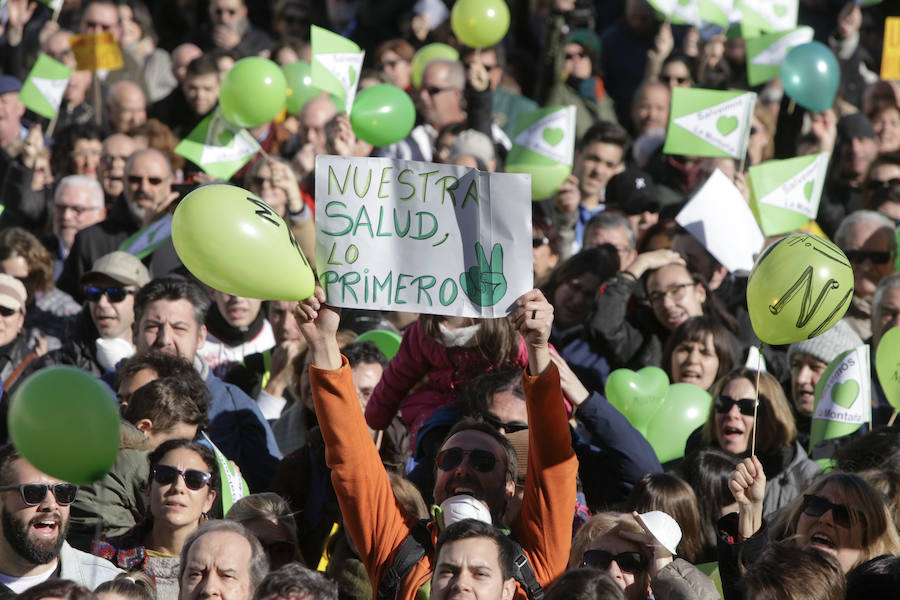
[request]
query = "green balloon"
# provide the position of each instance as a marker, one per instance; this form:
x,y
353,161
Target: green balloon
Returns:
x,y
253,92
387,341
685,408
811,75
887,365
65,423
546,175
637,395
479,23
299,85
425,55
233,241
382,114
799,287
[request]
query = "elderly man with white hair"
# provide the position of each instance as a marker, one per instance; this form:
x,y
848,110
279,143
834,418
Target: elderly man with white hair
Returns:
x,y
77,204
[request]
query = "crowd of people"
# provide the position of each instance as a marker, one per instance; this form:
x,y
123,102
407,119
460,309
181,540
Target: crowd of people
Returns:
x,y
482,460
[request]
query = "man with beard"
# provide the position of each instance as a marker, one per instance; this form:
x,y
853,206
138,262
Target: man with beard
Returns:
x,y
142,210
35,520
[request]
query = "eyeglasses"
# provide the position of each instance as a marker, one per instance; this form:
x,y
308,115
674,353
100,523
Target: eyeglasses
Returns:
x,y
115,294
745,405
537,242
109,159
34,493
78,210
878,257
511,427
433,90
676,292
193,478
5,311
630,562
816,506
138,179
86,153
574,55
261,181
480,460
883,183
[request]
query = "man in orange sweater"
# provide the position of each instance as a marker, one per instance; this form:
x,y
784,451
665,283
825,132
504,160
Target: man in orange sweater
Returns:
x,y
474,462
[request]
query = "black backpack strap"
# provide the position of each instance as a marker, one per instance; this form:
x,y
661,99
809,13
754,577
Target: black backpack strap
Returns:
x,y
524,573
416,545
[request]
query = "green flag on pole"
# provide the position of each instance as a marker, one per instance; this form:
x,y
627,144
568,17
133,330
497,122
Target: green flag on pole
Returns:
x,y
717,12
766,53
45,85
709,122
218,147
544,146
54,5
785,194
678,12
768,15
336,64
843,397
233,485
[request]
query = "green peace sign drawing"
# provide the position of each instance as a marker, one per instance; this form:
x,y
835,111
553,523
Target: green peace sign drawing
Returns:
x,y
485,283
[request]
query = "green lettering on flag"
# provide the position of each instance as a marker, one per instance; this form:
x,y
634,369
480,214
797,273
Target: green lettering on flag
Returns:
x,y
336,64
45,85
709,122
766,53
785,194
218,147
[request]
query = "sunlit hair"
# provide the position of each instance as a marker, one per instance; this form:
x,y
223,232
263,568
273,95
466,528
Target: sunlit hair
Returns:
x,y
786,570
673,496
603,524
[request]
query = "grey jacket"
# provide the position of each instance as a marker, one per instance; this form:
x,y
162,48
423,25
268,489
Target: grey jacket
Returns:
x,y
680,580
85,569
790,481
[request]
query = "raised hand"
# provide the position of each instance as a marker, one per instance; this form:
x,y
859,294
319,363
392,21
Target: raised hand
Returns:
x,y
533,318
748,486
318,324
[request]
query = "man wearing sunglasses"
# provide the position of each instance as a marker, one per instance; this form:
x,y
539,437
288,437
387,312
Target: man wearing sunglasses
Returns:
x,y
35,519
867,238
475,460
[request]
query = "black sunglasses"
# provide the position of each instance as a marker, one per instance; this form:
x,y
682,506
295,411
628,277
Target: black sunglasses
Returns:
x,y
630,562
538,241
34,493
480,460
816,506
137,179
511,427
878,257
193,478
115,294
282,550
745,405
434,90
7,312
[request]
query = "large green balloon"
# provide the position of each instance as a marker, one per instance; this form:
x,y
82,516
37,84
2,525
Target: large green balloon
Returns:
x,y
887,365
253,92
382,114
299,85
810,74
233,241
65,423
637,395
685,408
799,287
479,23
546,175
425,55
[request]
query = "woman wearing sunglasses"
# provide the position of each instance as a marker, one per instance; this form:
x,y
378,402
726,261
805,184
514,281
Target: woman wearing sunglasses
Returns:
x,y
730,427
617,544
839,514
182,488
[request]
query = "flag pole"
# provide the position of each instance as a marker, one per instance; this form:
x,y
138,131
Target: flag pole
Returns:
x,y
52,124
98,103
756,404
57,8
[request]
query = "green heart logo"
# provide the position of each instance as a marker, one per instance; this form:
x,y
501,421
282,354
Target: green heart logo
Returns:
x,y
845,393
637,395
684,2
352,73
780,10
807,190
553,136
726,125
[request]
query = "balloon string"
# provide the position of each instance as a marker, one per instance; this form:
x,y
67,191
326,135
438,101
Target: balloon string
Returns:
x,y
756,404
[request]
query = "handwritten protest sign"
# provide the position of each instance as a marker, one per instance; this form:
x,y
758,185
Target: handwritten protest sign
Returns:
x,y
422,237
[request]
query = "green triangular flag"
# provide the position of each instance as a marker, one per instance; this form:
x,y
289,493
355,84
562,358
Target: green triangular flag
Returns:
x,y
336,64
843,397
709,122
54,5
233,486
678,12
45,85
544,145
784,194
218,147
766,53
769,15
716,12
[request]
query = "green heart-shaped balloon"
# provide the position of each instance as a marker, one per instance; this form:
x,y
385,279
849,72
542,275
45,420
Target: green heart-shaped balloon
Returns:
x,y
685,408
637,395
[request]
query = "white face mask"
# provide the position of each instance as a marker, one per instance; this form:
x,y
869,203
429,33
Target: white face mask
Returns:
x,y
457,508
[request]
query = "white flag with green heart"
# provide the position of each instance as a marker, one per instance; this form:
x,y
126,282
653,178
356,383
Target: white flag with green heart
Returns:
x,y
678,12
785,194
45,86
843,396
766,53
336,64
544,147
769,15
718,12
709,122
218,147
